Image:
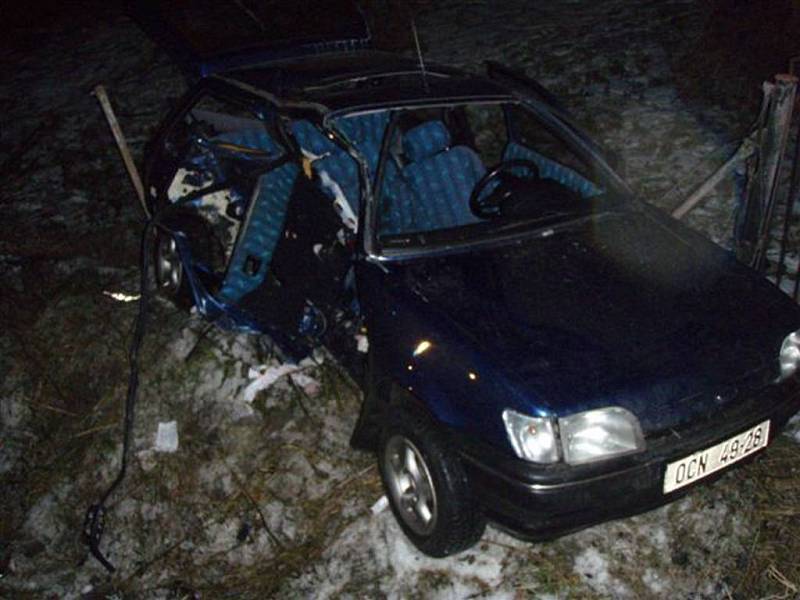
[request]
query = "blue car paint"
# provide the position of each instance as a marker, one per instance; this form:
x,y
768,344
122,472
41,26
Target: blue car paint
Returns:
x,y
573,324
459,384
467,384
226,316
569,370
722,328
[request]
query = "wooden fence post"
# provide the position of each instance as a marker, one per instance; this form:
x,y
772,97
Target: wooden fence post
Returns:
x,y
122,144
745,149
771,151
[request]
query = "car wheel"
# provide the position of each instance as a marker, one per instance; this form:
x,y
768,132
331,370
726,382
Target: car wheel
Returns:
x,y
427,487
169,274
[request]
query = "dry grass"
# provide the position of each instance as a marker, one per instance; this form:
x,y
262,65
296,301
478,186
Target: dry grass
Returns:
x,y
773,564
79,404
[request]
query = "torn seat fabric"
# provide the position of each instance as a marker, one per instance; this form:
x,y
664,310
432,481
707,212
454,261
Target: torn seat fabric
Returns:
x,y
264,219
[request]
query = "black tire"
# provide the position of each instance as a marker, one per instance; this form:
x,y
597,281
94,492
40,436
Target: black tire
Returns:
x,y
455,523
168,270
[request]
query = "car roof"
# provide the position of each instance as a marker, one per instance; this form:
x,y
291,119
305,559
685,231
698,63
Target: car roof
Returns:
x,y
362,80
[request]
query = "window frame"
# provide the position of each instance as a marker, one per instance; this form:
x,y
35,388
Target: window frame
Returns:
x,y
574,139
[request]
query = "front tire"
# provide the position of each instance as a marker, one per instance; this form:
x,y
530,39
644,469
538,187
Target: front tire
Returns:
x,y
427,487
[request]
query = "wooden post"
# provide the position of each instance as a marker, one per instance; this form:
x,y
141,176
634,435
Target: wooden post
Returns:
x,y
745,149
791,198
122,145
773,147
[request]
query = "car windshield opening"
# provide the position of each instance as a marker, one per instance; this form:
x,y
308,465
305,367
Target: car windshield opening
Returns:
x,y
466,173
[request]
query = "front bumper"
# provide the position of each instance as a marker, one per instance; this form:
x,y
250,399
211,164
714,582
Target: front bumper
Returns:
x,y
538,503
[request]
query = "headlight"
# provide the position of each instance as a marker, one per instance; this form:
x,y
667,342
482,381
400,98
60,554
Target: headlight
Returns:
x,y
533,438
790,355
599,434
584,437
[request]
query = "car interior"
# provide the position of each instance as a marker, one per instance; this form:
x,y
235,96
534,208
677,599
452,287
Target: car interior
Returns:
x,y
238,177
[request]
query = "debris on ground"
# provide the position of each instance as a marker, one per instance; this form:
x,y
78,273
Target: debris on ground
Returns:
x,y
167,437
263,376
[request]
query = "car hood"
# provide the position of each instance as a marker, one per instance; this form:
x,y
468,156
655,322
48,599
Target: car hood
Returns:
x,y
208,37
632,310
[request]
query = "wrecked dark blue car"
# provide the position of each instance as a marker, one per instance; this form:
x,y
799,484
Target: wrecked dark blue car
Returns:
x,y
537,348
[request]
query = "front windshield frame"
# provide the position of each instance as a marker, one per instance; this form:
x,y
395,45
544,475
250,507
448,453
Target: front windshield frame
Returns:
x,y
577,141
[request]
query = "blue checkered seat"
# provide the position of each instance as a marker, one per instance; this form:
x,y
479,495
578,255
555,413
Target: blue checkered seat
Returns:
x,y
402,209
365,132
550,169
442,177
264,220
333,162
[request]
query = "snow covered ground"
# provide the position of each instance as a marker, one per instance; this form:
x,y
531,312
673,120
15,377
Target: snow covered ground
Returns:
x,y
265,498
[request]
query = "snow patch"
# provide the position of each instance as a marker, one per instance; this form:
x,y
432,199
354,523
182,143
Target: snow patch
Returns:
x,y
45,521
659,538
14,411
592,567
654,582
793,428
376,544
14,414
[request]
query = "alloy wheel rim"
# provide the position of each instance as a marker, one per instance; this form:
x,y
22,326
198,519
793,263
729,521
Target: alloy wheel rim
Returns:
x,y
410,485
168,265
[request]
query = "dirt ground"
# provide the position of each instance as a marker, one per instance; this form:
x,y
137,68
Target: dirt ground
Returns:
x,y
265,498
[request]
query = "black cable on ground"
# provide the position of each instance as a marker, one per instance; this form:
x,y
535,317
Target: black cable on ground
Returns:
x,y
95,515
94,522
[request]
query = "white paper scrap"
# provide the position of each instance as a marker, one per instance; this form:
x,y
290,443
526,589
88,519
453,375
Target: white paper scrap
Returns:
x,y
362,343
380,505
167,437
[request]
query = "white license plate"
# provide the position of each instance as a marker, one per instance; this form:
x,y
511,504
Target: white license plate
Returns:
x,y
719,456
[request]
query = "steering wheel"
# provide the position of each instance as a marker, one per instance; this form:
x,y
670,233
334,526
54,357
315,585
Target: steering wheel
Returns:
x,y
490,204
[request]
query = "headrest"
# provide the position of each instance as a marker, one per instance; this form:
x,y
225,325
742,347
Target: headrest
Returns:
x,y
367,127
425,140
